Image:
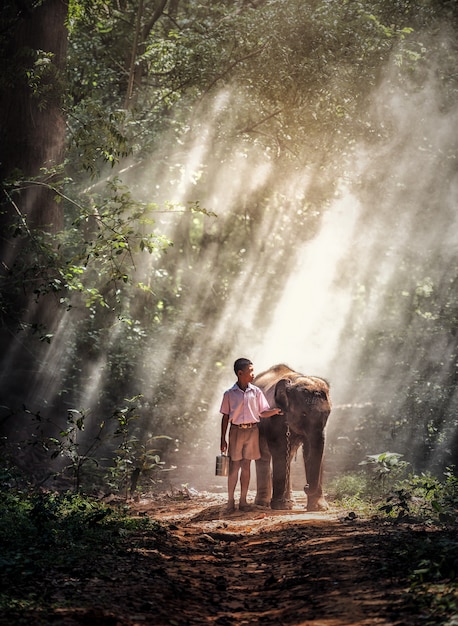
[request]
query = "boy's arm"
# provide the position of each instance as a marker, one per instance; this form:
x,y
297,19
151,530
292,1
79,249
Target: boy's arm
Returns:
x,y
224,425
262,403
270,412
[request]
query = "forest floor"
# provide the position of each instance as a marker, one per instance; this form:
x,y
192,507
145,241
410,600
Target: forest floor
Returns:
x,y
201,565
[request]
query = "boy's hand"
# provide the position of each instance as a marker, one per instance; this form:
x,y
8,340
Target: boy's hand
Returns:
x,y
223,446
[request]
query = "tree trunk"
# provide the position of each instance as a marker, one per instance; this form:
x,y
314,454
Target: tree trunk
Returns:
x,y
32,140
32,125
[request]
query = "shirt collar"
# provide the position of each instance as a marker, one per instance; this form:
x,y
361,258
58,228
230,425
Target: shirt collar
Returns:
x,y
250,386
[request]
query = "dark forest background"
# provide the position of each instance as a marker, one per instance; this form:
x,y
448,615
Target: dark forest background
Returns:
x,y
164,166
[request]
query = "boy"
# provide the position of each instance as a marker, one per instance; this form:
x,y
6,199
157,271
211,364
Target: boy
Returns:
x,y
242,406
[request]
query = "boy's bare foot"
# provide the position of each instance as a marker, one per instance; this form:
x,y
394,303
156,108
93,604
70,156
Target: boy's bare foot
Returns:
x,y
230,508
244,506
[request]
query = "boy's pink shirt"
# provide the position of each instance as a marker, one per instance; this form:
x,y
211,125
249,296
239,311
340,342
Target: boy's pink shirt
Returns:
x,y
244,407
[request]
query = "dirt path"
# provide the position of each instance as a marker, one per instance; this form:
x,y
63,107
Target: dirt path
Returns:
x,y
204,566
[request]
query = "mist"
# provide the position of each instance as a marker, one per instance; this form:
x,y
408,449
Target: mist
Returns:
x,y
354,298
342,267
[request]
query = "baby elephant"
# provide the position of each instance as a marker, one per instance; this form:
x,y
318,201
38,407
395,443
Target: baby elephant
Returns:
x,y
306,405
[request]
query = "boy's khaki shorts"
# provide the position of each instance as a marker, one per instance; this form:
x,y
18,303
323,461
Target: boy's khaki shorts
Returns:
x,y
244,443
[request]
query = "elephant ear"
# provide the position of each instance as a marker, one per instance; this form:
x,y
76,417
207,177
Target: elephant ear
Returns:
x,y
281,393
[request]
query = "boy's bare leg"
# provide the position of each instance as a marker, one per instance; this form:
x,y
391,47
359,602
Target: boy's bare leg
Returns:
x,y
244,481
234,467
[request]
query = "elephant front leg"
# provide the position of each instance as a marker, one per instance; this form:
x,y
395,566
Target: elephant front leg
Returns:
x,y
313,458
281,479
316,502
263,475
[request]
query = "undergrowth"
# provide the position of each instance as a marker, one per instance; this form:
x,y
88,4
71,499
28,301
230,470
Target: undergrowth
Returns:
x,y
42,531
69,533
427,557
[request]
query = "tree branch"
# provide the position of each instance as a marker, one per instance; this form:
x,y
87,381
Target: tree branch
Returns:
x,y
250,129
232,65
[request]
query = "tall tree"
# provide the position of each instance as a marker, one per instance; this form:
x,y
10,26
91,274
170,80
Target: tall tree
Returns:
x,y
32,125
33,44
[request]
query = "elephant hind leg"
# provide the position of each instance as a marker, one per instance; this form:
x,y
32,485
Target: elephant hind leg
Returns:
x,y
282,505
263,482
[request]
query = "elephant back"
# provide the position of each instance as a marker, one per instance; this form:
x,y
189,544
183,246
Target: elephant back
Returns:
x,y
268,380
314,385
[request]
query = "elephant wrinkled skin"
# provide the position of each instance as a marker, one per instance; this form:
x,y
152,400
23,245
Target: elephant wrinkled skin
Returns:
x,y
306,405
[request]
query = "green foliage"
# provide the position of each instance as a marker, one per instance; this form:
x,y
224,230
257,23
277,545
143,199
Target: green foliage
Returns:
x,y
112,455
104,240
422,497
67,447
386,466
425,497
30,523
352,491
364,488
438,602
45,531
106,144
346,485
427,559
426,555
360,491
284,64
95,255
135,459
40,77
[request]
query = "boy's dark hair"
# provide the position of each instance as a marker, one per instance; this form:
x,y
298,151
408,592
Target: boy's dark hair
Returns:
x,y
241,364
